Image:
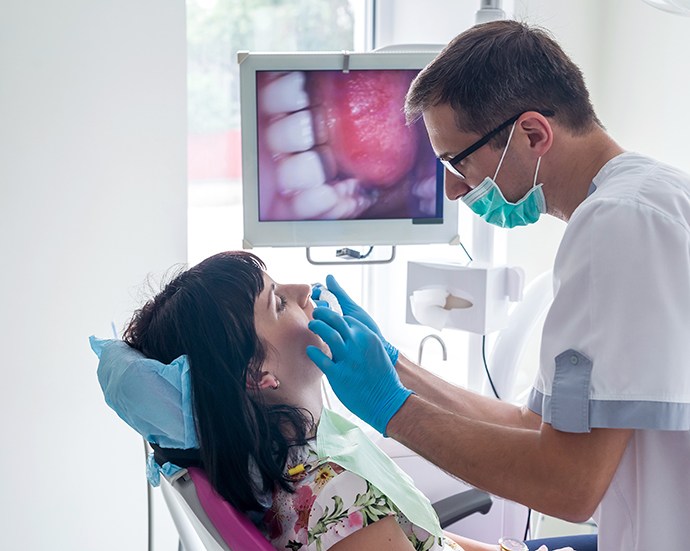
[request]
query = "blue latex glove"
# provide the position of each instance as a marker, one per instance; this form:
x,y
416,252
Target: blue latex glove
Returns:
x,y
360,371
351,308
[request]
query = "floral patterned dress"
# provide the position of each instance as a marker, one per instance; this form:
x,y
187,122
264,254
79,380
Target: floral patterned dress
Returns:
x,y
331,503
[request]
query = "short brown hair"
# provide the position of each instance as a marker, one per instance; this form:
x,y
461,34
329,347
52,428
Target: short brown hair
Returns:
x,y
496,70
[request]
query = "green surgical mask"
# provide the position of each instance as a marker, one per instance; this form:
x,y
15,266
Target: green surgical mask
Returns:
x,y
345,444
487,201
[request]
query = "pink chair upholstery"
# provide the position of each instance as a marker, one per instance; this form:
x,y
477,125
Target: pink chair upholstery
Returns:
x,y
235,528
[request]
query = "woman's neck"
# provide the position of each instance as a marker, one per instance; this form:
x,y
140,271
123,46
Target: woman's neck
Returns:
x,y
305,395
313,403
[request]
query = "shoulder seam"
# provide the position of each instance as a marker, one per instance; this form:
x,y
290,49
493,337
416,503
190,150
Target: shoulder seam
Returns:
x,y
642,206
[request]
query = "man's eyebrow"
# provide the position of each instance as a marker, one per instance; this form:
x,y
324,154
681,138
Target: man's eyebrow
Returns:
x,y
448,155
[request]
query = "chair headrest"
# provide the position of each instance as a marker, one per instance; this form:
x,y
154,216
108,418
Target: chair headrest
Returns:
x,y
151,397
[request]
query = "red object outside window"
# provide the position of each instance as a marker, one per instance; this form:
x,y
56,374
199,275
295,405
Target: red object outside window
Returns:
x,y
215,156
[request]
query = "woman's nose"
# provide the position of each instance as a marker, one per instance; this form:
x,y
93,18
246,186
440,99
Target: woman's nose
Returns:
x,y
301,293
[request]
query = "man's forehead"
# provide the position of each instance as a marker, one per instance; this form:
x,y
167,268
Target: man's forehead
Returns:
x,y
445,136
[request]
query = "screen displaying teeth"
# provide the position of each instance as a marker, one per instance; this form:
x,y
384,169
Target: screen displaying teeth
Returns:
x,y
335,145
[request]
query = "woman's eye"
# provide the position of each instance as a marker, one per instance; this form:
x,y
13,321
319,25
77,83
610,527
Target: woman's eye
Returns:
x,y
282,303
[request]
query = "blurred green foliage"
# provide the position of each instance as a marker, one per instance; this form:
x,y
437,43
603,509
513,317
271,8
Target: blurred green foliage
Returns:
x,y
217,30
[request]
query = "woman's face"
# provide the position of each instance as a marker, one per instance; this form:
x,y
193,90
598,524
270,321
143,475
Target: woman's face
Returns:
x,y
281,317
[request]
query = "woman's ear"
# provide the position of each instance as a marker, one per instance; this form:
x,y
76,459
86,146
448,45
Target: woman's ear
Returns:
x,y
264,381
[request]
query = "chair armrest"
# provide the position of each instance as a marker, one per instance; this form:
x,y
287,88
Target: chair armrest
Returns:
x,y
452,509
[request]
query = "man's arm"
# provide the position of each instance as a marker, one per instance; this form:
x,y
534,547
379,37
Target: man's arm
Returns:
x,y
561,474
558,473
461,401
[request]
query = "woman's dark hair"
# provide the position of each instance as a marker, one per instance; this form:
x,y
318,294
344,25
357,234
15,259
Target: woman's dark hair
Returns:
x,y
497,70
207,313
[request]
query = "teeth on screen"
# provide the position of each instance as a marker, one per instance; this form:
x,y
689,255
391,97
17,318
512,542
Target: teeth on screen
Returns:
x,y
315,201
427,206
291,134
285,94
345,207
347,187
425,188
301,171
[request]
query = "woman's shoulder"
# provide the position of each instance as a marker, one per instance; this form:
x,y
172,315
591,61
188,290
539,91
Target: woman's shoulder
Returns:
x,y
328,504
344,503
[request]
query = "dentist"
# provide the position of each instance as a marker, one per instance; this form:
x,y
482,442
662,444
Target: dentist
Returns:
x,y
606,431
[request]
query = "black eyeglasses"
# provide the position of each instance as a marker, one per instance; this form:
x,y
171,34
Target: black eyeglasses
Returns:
x,y
481,142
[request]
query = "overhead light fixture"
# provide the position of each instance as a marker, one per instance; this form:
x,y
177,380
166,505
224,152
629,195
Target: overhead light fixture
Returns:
x,y
489,10
679,7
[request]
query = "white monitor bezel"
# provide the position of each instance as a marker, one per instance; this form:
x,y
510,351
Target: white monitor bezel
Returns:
x,y
314,233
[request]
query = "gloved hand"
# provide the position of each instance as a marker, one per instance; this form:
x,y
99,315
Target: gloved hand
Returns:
x,y
351,308
360,371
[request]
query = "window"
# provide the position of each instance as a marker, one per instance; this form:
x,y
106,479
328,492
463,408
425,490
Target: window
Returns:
x,y
216,31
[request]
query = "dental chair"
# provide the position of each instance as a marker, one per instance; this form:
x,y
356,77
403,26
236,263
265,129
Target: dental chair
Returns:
x,y
154,399
206,522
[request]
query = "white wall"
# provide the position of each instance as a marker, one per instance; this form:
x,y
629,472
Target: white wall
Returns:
x,y
646,80
92,198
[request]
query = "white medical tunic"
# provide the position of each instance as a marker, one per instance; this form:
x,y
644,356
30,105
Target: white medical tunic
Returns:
x,y
616,345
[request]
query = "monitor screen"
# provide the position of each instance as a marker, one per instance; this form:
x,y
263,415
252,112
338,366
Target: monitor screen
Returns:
x,y
328,158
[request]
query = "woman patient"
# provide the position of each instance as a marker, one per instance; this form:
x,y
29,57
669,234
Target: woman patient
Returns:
x,y
257,404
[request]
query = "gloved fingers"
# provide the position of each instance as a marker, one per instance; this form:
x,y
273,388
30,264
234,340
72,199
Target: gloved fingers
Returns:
x,y
333,319
360,329
330,336
334,287
323,362
321,303
316,291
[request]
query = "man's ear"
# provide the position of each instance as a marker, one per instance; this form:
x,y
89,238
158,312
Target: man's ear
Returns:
x,y
264,381
539,131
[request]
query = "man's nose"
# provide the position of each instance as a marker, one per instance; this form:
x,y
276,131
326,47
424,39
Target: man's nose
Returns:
x,y
455,187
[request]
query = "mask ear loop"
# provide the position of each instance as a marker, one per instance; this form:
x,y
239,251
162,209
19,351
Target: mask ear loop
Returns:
x,y
536,173
505,150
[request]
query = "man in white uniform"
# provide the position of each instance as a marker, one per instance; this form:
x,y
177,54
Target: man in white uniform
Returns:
x,y
606,432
